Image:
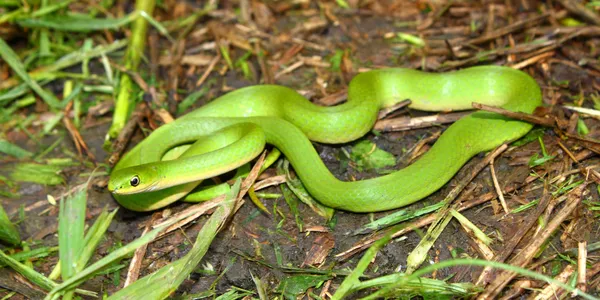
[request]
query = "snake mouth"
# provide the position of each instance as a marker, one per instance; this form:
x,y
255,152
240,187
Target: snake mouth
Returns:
x,y
112,188
150,187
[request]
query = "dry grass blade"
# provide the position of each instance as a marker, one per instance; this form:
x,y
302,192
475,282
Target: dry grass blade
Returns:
x,y
510,245
133,272
526,254
443,216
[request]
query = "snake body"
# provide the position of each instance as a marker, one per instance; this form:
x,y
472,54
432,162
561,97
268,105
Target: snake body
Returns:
x,y
233,129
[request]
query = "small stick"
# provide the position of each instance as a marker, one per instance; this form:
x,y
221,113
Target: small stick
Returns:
x,y
497,187
124,137
516,115
551,291
134,75
209,69
133,273
333,99
388,110
569,153
490,35
266,72
581,265
532,60
406,123
416,151
290,69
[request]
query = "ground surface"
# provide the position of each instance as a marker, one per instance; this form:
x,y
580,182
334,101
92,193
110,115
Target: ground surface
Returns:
x,y
316,48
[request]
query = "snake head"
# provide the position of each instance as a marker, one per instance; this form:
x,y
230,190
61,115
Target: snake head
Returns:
x,y
133,180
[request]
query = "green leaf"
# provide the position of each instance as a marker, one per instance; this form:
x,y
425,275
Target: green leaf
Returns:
x,y
366,156
336,60
342,3
8,231
37,173
14,93
13,150
536,160
298,189
109,259
524,207
293,286
234,295
412,39
596,99
33,276
582,129
193,97
529,137
570,22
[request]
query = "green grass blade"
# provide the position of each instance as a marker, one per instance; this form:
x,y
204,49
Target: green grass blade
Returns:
x,y
70,233
8,231
354,278
14,93
32,254
50,8
34,276
94,236
397,217
27,272
66,61
419,254
13,150
37,173
12,59
105,262
167,279
298,189
10,3
467,223
77,24
92,239
71,222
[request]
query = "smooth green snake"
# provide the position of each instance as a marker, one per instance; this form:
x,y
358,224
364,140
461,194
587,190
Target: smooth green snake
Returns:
x,y
233,129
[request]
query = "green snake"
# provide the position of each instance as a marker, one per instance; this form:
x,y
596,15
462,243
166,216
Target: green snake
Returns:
x,y
234,128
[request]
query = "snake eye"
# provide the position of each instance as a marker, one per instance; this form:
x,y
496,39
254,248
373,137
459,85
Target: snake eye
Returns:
x,y
135,180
